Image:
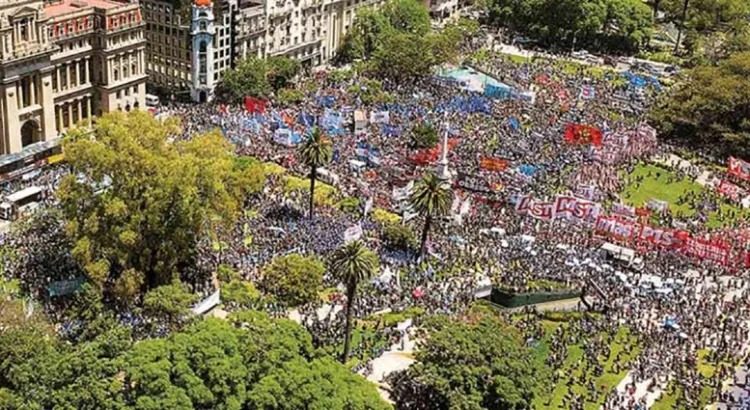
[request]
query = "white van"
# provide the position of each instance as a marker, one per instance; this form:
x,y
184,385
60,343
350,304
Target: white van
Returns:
x,y
152,100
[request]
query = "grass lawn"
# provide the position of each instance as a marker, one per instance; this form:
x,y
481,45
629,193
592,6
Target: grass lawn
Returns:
x,y
658,186
358,334
674,400
384,217
324,193
605,383
394,318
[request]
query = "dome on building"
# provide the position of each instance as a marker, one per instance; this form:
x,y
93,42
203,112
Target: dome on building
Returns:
x,y
202,3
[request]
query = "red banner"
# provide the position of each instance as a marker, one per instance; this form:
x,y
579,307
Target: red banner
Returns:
x,y
493,164
575,209
254,105
429,155
739,168
613,227
583,134
425,156
731,191
712,250
660,237
535,209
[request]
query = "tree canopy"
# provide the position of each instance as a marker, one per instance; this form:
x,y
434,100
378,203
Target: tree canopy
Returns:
x,y
611,25
256,77
397,42
250,361
711,108
477,362
293,279
136,204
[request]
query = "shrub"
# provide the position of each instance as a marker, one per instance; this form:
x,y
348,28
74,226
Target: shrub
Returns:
x,y
399,237
423,136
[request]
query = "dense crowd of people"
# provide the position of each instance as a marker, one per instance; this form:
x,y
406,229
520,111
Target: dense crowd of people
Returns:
x,y
675,305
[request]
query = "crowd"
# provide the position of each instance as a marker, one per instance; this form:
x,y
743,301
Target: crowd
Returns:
x,y
705,305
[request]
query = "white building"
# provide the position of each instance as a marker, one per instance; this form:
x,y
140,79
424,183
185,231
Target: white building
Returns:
x,y
309,30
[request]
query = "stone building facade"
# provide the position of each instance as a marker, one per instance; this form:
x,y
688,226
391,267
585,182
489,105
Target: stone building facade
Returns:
x,y
63,62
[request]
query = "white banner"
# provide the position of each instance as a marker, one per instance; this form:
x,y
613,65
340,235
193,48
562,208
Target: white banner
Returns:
x,y
208,303
353,233
380,117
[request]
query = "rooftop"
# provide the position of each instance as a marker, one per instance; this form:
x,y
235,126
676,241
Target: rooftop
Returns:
x,y
63,7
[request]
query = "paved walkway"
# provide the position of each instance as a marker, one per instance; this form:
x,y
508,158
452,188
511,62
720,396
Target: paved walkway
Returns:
x,y
641,390
565,305
398,357
673,161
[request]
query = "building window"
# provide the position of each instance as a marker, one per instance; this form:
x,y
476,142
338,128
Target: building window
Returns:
x,y
24,30
116,75
82,72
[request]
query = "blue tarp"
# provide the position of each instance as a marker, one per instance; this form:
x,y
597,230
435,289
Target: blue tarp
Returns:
x,y
640,81
493,91
528,170
390,130
308,120
327,101
513,123
473,104
332,121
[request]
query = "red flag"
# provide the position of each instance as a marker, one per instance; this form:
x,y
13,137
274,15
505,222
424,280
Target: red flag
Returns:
x,y
493,164
583,134
254,105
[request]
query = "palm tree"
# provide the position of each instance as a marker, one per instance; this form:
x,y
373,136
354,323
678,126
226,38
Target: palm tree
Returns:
x,y
430,198
351,264
315,152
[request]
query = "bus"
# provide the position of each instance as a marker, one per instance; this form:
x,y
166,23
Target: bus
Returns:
x,y
21,202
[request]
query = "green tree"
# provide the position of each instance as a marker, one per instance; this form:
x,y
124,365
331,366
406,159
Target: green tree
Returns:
x,y
293,279
710,109
399,237
240,293
473,363
315,152
431,198
136,204
352,264
408,16
268,343
201,367
369,28
369,91
319,384
289,96
169,304
404,56
627,25
248,79
423,135
616,25
281,71
40,372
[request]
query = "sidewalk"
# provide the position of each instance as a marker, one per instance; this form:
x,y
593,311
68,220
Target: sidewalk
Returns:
x,y
393,360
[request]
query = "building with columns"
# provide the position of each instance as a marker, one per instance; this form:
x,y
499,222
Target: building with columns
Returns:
x,y
63,62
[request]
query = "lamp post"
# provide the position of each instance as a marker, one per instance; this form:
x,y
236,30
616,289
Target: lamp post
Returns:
x,y
443,171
